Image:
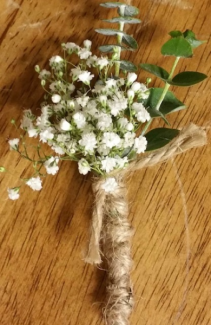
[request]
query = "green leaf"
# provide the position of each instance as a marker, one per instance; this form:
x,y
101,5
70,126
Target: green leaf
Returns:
x,y
190,37
178,47
187,78
155,113
169,104
175,33
127,39
110,48
130,41
126,20
128,66
108,31
158,138
129,11
112,4
155,70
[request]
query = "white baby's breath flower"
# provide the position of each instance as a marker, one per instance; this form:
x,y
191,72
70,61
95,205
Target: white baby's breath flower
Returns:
x,y
85,77
104,121
131,77
55,60
130,94
111,139
102,62
136,86
84,53
140,144
13,193
58,149
64,125
56,98
117,105
83,166
46,135
79,119
51,165
108,164
35,183
88,141
87,43
71,46
14,143
44,74
82,100
32,132
110,185
129,139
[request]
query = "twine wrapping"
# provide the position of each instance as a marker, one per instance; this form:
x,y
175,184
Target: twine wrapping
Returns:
x,y
110,225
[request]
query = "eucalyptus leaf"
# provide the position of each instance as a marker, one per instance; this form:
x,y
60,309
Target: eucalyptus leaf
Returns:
x,y
130,41
112,4
177,46
107,31
155,70
128,66
158,138
187,78
170,103
126,20
127,39
129,11
190,37
111,47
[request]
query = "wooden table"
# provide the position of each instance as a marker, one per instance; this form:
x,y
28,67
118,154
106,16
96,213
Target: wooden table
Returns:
x,y
43,236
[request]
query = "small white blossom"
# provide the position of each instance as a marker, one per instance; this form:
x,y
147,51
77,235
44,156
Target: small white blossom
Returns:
x,y
136,86
111,139
129,139
140,144
58,149
35,183
44,74
87,43
108,164
88,141
14,143
104,121
117,105
141,113
51,165
13,193
85,77
121,162
46,135
32,132
55,60
83,166
79,119
110,185
82,100
71,46
102,62
84,53
64,125
130,94
75,72
56,98
131,77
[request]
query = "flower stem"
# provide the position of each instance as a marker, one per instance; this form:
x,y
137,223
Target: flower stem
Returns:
x,y
165,89
119,42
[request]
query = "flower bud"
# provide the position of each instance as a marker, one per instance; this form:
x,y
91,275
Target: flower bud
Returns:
x,y
136,86
64,125
130,94
56,98
131,77
87,44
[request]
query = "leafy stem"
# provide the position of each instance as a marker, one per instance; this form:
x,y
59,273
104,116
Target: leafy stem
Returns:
x,y
165,89
119,42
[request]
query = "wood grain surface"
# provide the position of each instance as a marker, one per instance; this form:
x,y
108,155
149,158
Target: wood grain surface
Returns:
x,y
43,236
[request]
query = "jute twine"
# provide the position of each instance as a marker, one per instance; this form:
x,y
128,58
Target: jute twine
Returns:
x,y
111,231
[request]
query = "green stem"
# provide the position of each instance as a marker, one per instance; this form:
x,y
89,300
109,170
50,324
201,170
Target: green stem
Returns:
x,y
119,42
165,89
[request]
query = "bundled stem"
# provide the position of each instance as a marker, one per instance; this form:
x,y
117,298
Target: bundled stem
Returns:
x,y
116,237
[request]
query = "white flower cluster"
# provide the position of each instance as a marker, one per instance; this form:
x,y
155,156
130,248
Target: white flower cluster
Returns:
x,y
92,121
